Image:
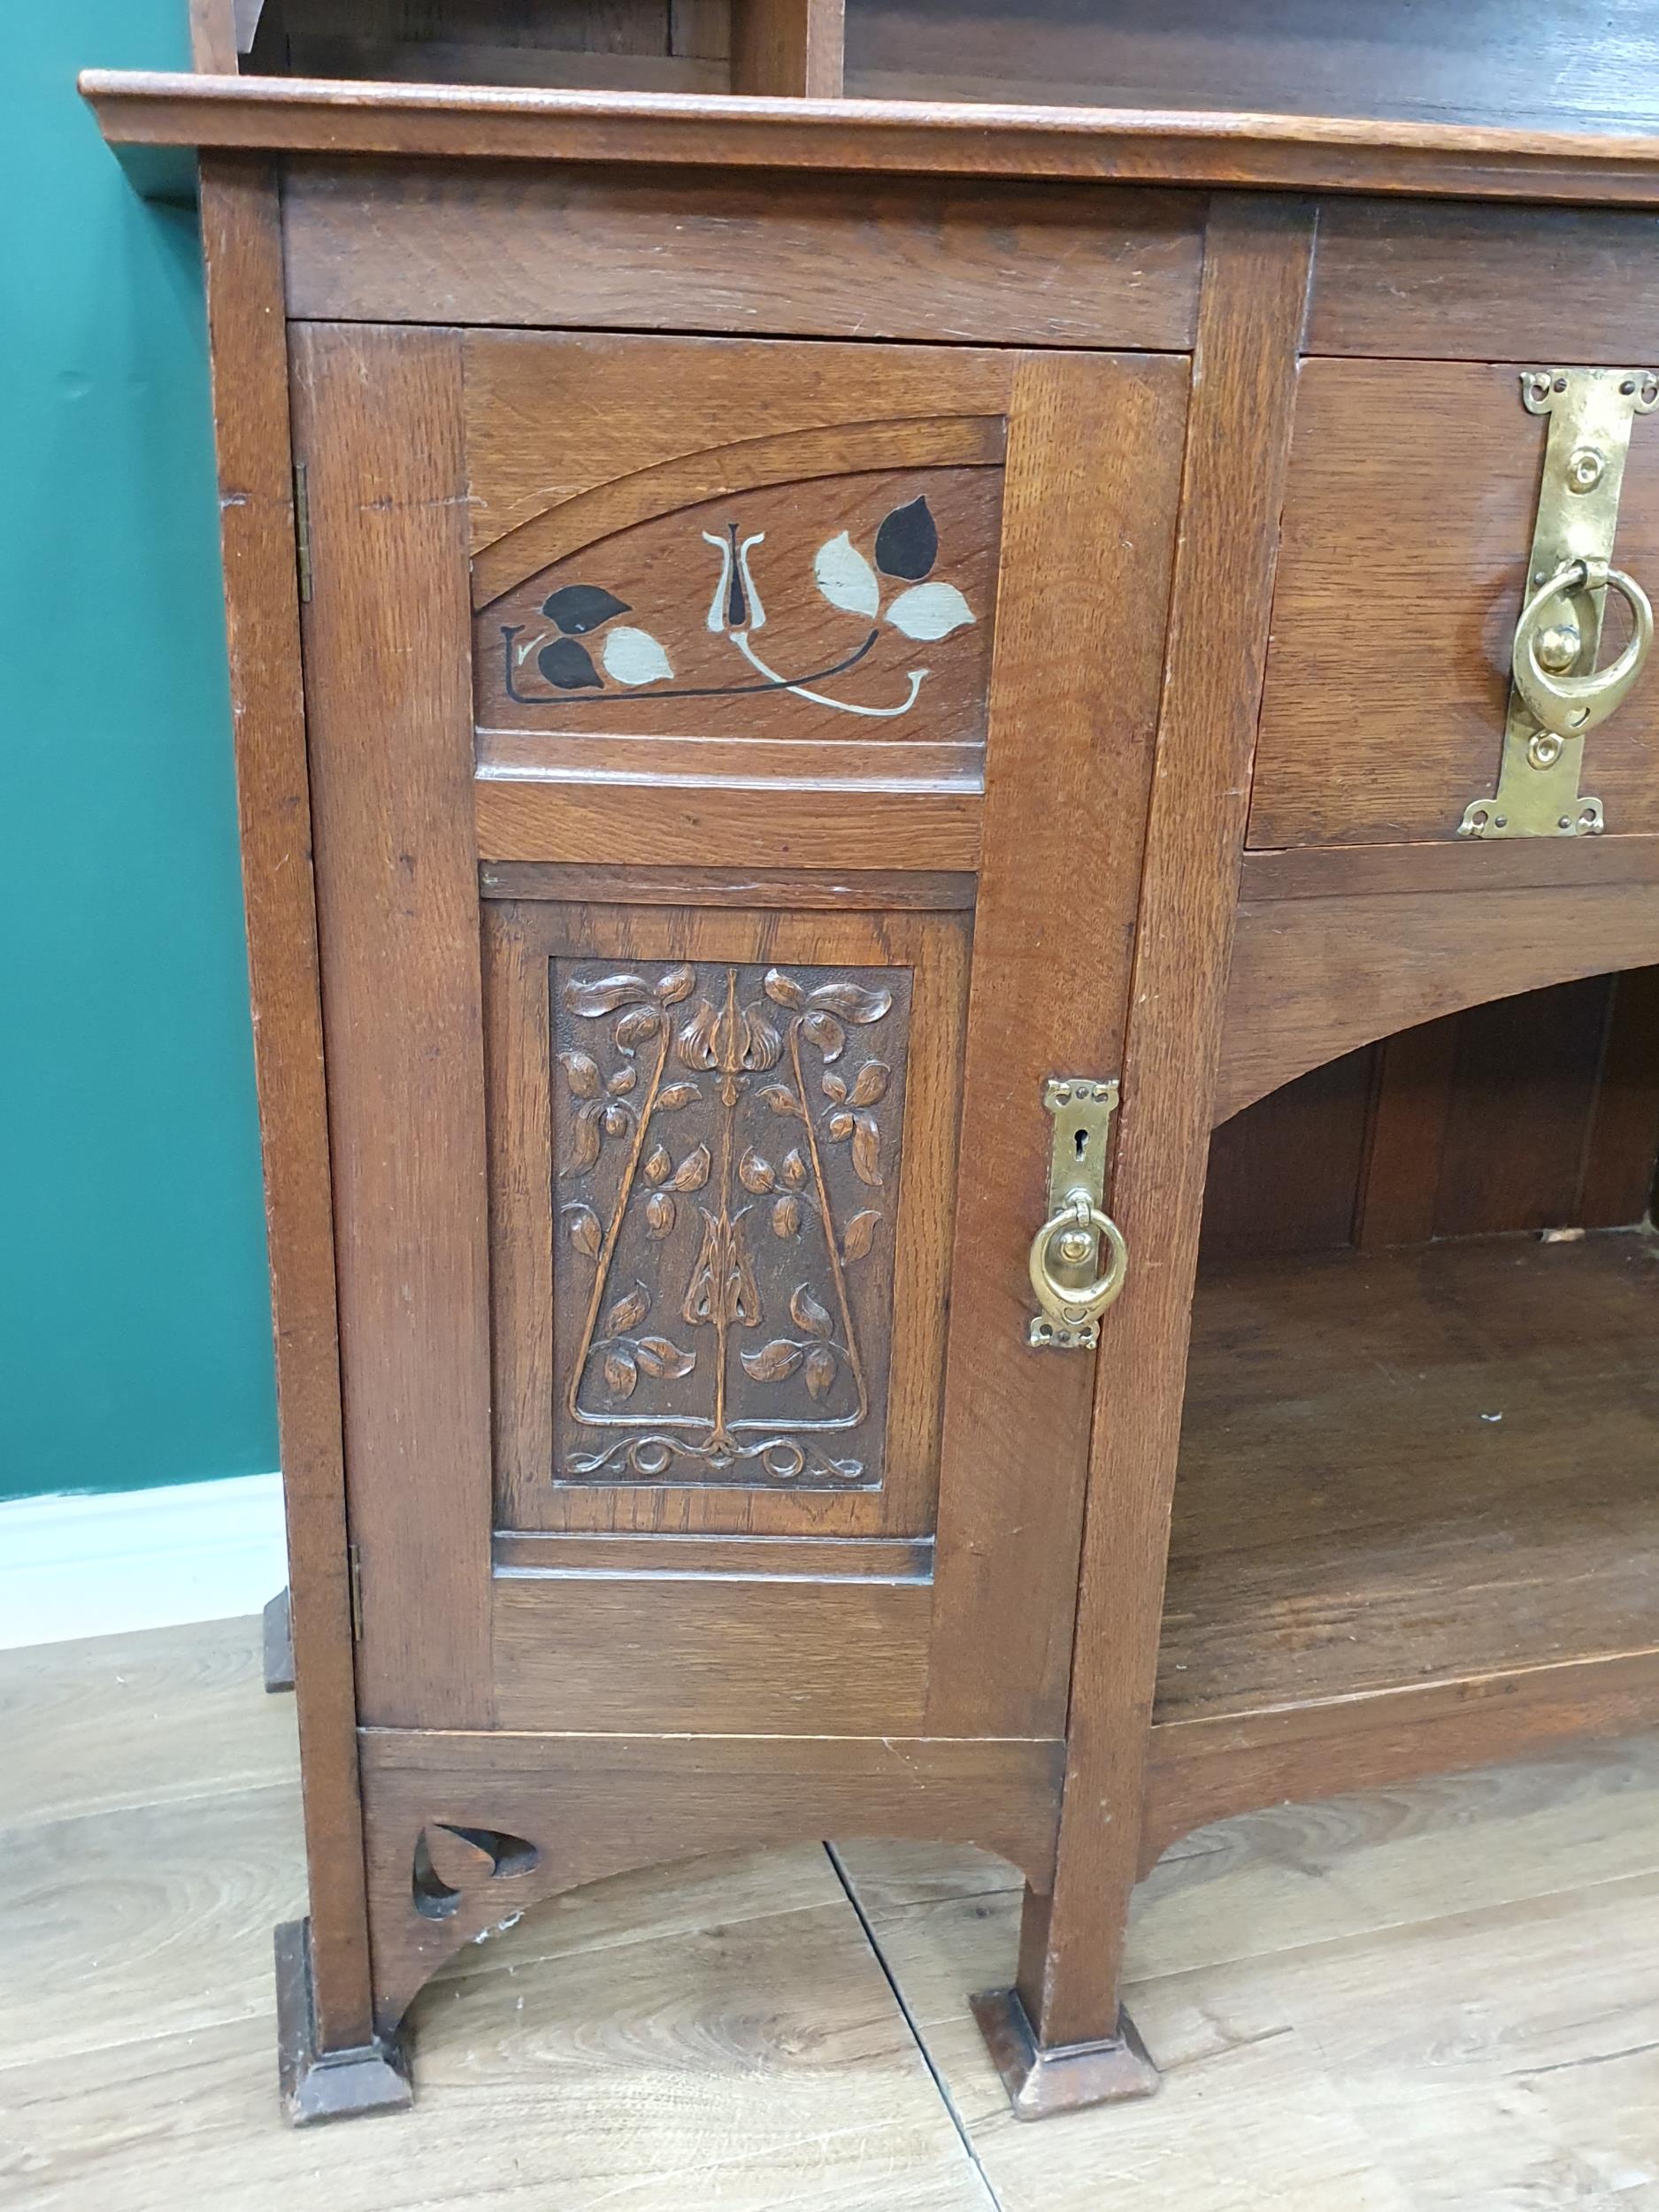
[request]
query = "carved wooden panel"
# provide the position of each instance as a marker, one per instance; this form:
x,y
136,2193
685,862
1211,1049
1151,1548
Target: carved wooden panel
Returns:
x,y
727,1160
854,605
722,1158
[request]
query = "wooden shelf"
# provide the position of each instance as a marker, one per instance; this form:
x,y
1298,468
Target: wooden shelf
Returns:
x,y
1416,1467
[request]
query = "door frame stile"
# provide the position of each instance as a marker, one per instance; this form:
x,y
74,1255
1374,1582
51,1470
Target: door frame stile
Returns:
x,y
1258,262
247,329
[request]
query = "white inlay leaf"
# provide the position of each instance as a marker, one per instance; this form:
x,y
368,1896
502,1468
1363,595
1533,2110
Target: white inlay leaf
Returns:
x,y
929,610
633,657
846,579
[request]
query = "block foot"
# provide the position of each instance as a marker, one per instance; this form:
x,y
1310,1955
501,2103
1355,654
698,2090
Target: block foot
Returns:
x,y
320,2086
278,1644
1068,2078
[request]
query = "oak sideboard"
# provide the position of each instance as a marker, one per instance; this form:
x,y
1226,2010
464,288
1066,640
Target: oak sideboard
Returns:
x,y
824,687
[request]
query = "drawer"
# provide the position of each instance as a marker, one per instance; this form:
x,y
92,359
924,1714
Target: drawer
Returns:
x,y
1407,521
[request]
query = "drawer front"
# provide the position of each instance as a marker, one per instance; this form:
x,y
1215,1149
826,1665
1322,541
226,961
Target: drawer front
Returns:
x,y
1408,523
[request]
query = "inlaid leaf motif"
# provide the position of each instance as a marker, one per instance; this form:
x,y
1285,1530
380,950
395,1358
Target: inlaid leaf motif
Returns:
x,y
834,1088
633,657
676,984
584,1231
754,1173
929,610
579,607
660,1358
826,1033
906,543
569,666
585,1139
618,1121
693,1171
852,1002
794,1170
786,1215
839,1124
808,1315
773,1362
860,1234
820,1370
624,1079
871,1086
659,1213
866,1149
674,1095
780,1098
620,1372
783,990
628,1311
660,1165
581,1072
845,578
635,1025
605,993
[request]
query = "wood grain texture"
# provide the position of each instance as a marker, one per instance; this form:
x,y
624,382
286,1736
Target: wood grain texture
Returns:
x,y
1088,521
1455,282
1255,282
596,1804
1590,62
781,47
797,890
1304,1977
748,1655
390,728
243,250
1313,978
1207,1768
1415,1074
1405,1467
1389,674
665,422
789,1558
679,822
1622,1143
630,248
1308,154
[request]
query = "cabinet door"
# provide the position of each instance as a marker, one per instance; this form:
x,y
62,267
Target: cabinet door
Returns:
x,y
730,767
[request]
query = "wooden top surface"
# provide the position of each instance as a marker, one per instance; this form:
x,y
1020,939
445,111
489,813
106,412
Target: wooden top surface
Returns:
x,y
303,115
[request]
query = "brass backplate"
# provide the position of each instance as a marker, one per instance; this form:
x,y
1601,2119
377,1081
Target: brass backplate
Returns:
x,y
1082,1110
1590,412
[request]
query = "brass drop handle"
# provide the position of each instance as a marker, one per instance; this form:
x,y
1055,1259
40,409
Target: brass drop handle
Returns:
x,y
1079,1232
1563,705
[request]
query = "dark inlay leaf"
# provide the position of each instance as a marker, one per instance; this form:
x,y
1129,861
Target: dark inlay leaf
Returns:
x,y
580,607
906,543
568,667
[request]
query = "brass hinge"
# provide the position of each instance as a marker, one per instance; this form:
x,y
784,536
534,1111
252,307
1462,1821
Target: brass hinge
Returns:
x,y
303,531
354,1580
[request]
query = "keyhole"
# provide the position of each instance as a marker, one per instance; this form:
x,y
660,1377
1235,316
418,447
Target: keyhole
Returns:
x,y
1079,1137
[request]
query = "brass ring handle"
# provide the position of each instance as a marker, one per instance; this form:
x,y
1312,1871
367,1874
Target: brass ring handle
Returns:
x,y
1073,1309
1569,705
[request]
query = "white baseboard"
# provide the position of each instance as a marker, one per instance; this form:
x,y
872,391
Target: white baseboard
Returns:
x,y
95,1566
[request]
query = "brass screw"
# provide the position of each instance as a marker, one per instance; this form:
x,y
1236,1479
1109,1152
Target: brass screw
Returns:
x,y
1075,1246
1585,468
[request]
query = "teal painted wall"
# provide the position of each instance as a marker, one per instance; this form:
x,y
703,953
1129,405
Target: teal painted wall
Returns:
x,y
135,1325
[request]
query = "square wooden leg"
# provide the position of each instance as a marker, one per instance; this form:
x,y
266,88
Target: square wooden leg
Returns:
x,y
1068,2078
320,2086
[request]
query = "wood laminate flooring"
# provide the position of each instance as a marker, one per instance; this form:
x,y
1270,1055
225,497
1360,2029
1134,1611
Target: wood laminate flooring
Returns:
x,y
1440,1999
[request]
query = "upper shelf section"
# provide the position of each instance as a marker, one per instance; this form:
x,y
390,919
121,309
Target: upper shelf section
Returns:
x,y
140,109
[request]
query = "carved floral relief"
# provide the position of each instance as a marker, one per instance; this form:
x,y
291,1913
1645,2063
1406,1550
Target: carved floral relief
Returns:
x,y
728,1153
